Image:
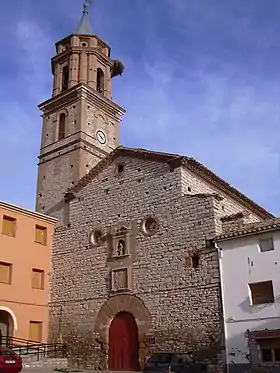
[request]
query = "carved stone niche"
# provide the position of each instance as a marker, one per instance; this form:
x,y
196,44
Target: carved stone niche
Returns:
x,y
120,243
121,279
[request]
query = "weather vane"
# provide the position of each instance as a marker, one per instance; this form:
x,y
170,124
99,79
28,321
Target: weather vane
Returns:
x,y
86,5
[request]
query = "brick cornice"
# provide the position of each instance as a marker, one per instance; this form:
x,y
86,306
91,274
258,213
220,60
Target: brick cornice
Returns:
x,y
82,91
176,161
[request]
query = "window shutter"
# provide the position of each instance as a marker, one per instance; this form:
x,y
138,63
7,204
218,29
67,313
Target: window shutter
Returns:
x,y
4,273
41,235
8,226
36,279
35,331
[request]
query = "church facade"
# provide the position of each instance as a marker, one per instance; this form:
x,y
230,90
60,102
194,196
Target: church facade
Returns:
x,y
133,267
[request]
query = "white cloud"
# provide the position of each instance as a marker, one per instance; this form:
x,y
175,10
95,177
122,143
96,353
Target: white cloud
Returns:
x,y
190,102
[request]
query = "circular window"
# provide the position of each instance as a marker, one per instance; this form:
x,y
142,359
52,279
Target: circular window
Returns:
x,y
96,237
150,226
84,44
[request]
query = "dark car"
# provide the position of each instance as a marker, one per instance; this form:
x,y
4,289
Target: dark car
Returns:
x,y
173,363
10,362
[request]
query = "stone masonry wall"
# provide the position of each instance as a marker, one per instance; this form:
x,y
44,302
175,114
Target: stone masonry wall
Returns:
x,y
192,184
183,302
62,163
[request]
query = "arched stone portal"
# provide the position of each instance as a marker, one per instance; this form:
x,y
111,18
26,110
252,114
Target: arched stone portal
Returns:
x,y
8,323
123,354
122,310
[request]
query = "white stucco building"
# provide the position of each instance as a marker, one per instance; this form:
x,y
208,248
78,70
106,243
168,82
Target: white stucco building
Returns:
x,y
250,283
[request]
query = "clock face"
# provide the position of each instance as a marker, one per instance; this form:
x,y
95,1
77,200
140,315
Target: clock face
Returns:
x,y
101,137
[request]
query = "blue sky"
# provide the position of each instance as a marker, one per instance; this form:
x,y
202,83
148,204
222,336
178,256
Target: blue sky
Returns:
x,y
202,78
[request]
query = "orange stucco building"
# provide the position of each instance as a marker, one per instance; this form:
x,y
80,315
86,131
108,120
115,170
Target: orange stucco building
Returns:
x,y
25,255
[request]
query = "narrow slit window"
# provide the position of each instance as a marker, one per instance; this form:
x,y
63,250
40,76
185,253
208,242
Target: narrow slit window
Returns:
x,y
100,81
61,126
65,78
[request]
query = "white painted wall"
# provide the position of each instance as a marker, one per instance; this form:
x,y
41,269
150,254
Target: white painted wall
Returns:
x,y
241,263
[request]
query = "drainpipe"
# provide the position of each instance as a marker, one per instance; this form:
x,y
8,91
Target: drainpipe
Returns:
x,y
220,256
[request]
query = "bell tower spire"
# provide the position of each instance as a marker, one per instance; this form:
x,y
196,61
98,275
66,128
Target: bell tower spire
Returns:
x,y
80,120
84,27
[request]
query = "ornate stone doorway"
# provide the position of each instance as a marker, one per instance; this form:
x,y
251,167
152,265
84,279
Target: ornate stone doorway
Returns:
x,y
123,343
123,316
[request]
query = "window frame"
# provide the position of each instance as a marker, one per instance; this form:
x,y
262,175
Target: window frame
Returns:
x,y
10,269
13,221
35,322
42,229
61,126
262,239
254,297
42,280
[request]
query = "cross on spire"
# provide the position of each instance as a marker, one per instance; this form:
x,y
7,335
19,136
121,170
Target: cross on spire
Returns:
x,y
84,26
87,4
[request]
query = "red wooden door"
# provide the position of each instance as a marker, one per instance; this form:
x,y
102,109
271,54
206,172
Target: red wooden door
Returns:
x,y
123,343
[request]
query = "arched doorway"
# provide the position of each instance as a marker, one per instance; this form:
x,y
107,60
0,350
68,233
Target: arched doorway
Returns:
x,y
123,343
6,325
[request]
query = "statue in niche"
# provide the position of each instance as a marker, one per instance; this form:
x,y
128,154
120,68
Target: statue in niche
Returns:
x,y
121,248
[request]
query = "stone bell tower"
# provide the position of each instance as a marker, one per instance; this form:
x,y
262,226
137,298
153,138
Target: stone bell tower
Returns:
x,y
80,121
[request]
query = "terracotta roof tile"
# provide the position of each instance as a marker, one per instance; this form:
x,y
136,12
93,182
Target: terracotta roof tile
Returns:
x,y
174,160
251,228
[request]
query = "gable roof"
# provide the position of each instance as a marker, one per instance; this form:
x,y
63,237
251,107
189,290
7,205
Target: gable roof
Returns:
x,y
250,228
174,161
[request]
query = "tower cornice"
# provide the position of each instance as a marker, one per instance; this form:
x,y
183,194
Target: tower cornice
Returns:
x,y
67,38
82,90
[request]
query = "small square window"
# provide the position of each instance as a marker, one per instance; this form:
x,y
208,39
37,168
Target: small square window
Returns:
x,y
35,331
37,281
266,244
41,235
262,292
5,273
9,226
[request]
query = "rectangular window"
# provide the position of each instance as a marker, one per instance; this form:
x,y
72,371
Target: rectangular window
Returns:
x,y
9,226
262,292
37,281
5,273
266,244
41,235
269,350
35,331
